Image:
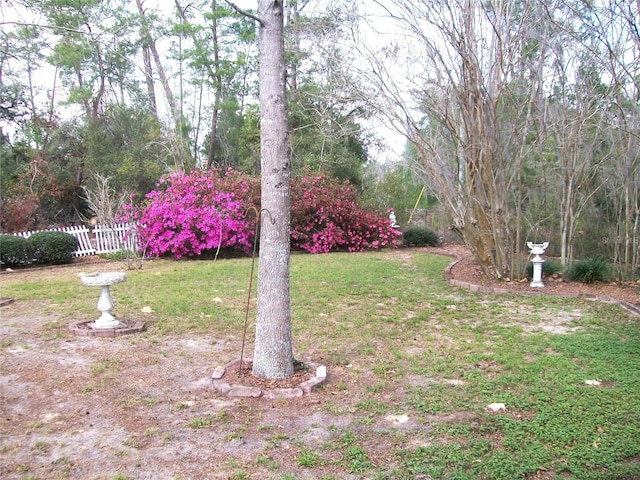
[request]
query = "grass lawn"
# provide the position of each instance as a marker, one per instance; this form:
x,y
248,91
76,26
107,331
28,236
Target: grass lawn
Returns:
x,y
413,364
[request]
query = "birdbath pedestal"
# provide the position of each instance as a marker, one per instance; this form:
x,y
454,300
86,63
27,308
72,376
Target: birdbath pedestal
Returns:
x,y
105,303
537,249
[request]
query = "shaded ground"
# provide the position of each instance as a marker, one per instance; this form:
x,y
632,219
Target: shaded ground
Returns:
x,y
142,406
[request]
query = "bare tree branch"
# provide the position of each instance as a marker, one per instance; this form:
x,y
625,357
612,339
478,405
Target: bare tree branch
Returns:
x,y
245,13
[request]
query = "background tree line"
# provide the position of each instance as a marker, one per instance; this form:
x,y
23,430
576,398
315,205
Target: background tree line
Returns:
x,y
95,89
521,117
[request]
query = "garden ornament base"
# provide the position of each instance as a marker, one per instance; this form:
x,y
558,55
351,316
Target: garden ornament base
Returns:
x,y
126,327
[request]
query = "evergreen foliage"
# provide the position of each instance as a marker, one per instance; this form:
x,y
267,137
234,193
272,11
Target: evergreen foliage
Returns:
x,y
53,247
416,236
15,250
590,270
398,188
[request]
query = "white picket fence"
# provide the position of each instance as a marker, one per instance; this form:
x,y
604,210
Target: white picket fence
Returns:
x,y
103,238
114,238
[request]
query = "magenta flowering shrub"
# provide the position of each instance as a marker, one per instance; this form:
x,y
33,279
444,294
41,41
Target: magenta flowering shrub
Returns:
x,y
194,213
326,217
190,214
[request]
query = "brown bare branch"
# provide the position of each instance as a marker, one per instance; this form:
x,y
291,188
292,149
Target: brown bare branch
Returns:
x,y
245,13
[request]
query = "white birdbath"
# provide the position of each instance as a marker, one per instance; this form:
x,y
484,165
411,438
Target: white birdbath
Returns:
x,y
537,249
105,303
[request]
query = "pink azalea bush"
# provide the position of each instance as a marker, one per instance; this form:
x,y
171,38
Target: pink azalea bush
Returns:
x,y
325,217
189,214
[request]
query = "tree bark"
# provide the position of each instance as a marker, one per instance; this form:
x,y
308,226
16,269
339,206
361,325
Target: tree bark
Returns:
x,y
293,19
273,356
164,80
146,56
214,76
213,134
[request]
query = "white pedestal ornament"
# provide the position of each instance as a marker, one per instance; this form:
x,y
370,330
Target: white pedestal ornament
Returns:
x,y
537,249
105,303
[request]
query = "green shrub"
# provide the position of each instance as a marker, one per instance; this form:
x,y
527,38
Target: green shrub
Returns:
x,y
53,247
589,270
419,237
15,250
119,255
548,269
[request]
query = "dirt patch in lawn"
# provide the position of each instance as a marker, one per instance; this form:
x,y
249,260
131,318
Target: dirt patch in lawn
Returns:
x,y
141,407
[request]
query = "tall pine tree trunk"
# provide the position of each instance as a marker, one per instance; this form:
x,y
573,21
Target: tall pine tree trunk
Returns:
x,y
217,98
273,355
146,56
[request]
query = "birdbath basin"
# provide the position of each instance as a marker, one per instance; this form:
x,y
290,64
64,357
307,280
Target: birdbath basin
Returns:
x,y
104,280
537,248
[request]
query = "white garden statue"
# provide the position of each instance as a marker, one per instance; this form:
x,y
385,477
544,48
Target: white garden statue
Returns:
x,y
392,219
537,249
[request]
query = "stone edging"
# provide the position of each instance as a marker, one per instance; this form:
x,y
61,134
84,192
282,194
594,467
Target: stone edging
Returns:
x,y
6,301
448,276
83,329
217,378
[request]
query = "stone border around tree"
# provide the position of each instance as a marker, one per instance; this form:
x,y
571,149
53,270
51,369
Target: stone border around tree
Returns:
x,y
448,276
242,391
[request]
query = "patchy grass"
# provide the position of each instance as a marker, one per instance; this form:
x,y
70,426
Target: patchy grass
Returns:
x,y
413,365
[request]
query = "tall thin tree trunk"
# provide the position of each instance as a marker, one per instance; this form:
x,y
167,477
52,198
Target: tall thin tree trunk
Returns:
x,y
164,80
217,96
293,18
148,73
52,104
96,103
273,355
146,56
214,76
